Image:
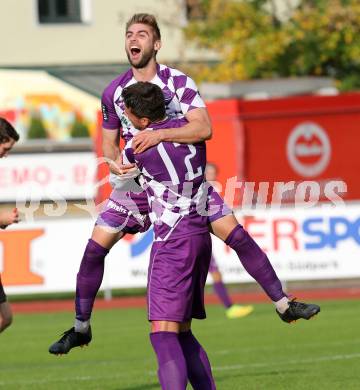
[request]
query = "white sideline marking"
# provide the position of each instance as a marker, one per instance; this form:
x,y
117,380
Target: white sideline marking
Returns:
x,y
287,362
287,346
219,368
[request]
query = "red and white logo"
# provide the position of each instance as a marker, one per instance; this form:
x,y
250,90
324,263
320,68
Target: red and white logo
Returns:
x,y
308,149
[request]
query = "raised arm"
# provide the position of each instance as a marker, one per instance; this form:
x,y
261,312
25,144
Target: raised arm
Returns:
x,y
198,129
110,144
111,133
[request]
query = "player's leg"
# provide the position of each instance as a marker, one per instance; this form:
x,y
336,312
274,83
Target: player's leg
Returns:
x,y
113,222
254,260
232,310
6,317
225,226
170,305
172,371
88,282
91,271
197,361
116,219
218,285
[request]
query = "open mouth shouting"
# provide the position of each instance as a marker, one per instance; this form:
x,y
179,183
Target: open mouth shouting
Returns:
x,y
139,56
135,53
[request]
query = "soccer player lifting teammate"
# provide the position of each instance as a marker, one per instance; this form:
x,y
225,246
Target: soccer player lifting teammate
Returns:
x,y
127,211
8,137
181,251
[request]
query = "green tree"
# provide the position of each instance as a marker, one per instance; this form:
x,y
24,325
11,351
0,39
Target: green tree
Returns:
x,y
320,37
79,130
37,129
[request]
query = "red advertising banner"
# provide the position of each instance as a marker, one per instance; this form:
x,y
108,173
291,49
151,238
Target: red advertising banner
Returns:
x,y
307,144
226,148
312,138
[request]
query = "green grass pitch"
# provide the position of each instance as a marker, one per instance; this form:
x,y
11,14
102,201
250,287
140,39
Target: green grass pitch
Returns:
x,y
258,352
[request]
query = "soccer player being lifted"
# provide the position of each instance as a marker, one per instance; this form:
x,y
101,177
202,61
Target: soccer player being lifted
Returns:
x,y
8,137
127,212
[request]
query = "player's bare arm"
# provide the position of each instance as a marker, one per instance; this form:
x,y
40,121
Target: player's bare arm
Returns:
x,y
197,130
111,152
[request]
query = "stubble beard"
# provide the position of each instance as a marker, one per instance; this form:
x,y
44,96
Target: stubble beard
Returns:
x,y
144,60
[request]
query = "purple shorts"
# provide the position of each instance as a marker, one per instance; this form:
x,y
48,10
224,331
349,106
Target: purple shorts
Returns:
x,y
2,293
176,279
216,206
128,211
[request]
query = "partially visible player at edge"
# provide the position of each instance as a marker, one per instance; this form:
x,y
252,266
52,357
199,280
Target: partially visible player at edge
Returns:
x,y
8,137
142,42
181,251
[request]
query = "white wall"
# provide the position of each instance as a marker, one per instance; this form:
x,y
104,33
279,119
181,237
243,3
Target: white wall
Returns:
x,y
100,40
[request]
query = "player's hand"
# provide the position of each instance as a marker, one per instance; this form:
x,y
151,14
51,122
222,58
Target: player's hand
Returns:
x,y
9,217
146,139
117,181
118,168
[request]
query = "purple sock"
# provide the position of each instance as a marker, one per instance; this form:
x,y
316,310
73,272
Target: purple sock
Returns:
x,y
197,362
222,293
172,371
255,262
89,279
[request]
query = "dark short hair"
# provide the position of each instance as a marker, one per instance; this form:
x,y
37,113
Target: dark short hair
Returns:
x,y
212,165
147,19
7,132
146,100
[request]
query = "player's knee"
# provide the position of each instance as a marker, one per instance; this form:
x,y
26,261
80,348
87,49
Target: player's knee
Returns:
x,y
106,237
216,276
238,236
224,226
165,326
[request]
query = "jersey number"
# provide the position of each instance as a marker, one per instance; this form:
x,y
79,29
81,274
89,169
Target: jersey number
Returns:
x,y
190,174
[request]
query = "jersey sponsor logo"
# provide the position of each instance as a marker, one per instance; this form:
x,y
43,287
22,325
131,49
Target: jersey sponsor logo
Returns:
x,y
117,207
125,122
105,113
308,149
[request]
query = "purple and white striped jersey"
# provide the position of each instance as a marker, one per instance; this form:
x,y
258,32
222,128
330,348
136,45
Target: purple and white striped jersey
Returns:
x,y
180,92
173,178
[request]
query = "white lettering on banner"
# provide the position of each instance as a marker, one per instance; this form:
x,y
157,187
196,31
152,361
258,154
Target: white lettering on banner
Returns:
x,y
313,266
48,176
